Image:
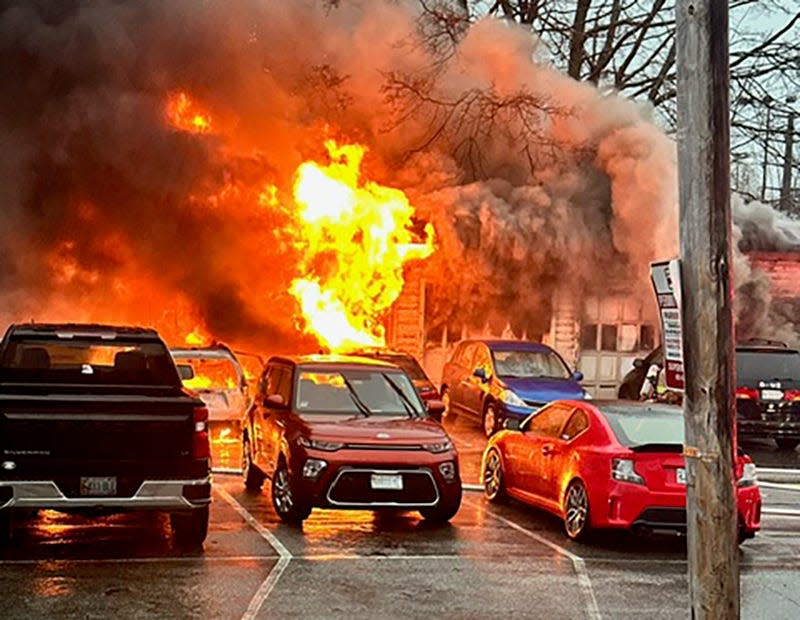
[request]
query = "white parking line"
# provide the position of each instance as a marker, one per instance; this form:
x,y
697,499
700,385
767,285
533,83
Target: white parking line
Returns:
x,y
284,558
577,562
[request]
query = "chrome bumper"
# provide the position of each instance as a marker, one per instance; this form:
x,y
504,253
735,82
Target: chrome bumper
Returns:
x,y
151,495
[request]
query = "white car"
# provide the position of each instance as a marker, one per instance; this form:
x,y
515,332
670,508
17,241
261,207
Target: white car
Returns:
x,y
216,376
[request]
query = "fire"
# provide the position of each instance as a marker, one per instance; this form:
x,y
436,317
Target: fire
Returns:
x,y
355,238
185,114
196,338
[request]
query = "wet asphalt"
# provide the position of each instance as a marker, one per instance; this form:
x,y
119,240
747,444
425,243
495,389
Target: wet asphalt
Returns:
x,y
506,560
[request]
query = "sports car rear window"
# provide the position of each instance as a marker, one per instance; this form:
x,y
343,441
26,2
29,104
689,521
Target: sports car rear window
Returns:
x,y
648,426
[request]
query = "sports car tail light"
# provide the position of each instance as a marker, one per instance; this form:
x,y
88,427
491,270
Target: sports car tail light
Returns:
x,y
747,393
200,444
622,469
791,395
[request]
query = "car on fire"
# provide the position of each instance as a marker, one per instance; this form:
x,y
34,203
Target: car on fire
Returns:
x,y
94,419
346,432
494,380
422,383
599,465
215,374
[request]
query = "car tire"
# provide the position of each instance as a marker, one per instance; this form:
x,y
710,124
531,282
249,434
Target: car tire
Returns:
x,y
786,444
189,529
493,478
253,476
442,512
489,420
289,508
577,522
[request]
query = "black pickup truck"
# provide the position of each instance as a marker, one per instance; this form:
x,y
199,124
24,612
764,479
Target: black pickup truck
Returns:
x,y
94,419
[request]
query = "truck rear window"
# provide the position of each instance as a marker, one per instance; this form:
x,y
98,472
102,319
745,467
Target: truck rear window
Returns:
x,y
88,361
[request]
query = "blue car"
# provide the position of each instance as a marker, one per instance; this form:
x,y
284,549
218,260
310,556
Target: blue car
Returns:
x,y
493,380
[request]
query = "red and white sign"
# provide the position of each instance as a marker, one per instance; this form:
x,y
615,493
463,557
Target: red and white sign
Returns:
x,y
666,277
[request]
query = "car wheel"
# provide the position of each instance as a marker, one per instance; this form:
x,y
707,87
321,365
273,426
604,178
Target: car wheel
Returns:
x,y
576,511
442,512
786,444
189,529
289,508
490,420
253,477
493,483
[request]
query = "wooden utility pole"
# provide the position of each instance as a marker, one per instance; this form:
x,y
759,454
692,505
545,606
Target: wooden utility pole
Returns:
x,y
705,223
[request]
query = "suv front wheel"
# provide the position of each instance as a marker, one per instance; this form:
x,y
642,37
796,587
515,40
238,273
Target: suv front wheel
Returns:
x,y
288,506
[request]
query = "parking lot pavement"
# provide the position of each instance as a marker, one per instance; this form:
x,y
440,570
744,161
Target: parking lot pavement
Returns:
x,y
491,560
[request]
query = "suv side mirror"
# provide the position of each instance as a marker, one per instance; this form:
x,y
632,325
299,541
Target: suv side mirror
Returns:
x,y
275,401
185,371
435,409
480,373
511,424
577,375
638,363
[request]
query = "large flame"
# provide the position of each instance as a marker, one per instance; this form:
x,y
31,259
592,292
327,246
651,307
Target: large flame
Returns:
x,y
356,237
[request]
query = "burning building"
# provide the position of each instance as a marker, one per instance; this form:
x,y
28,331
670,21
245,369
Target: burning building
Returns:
x,y
256,172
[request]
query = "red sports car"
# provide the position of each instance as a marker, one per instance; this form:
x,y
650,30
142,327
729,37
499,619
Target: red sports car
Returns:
x,y
615,464
347,433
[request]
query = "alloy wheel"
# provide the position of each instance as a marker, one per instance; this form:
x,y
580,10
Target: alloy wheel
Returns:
x,y
493,476
281,491
576,513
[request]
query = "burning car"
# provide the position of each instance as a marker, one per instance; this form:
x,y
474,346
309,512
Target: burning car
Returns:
x,y
216,376
422,383
347,433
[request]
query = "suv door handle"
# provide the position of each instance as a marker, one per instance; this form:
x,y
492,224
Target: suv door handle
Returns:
x,y
547,449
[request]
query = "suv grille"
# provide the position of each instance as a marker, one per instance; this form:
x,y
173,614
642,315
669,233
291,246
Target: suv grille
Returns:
x,y
352,487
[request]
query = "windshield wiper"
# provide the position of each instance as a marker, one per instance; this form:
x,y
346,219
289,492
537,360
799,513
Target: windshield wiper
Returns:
x,y
362,408
406,402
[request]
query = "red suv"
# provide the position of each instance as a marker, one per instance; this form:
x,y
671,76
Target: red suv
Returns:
x,y
347,433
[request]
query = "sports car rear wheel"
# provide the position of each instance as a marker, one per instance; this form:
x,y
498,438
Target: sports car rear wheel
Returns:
x,y
493,484
576,511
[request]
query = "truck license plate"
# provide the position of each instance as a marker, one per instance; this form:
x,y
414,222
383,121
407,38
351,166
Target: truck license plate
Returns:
x,y
389,482
99,486
680,475
771,394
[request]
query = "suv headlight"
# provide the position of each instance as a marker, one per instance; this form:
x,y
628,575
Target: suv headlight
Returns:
x,y
748,478
318,444
622,469
438,447
508,397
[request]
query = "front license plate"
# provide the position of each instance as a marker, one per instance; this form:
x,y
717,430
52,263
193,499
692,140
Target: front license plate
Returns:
x,y
388,482
771,395
680,475
99,486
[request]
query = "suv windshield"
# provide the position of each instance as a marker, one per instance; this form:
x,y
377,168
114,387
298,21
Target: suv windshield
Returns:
x,y
545,364
754,366
211,373
328,391
88,361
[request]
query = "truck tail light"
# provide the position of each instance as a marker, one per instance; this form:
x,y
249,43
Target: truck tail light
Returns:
x,y
747,393
791,395
200,443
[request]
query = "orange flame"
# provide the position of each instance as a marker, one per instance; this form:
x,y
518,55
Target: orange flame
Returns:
x,y
355,238
185,114
196,338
